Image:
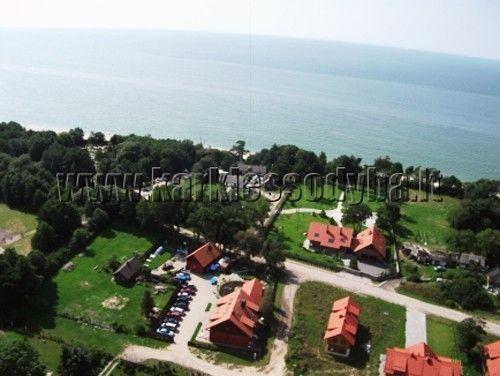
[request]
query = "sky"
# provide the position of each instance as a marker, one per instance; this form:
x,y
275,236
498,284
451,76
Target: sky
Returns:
x,y
463,27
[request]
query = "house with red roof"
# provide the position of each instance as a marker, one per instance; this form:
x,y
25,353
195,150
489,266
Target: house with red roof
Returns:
x,y
419,360
235,319
492,359
342,327
330,238
369,243
201,258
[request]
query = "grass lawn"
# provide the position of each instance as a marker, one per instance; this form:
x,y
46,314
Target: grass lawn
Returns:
x,y
292,228
83,291
303,198
76,297
382,325
49,351
431,292
441,337
19,223
426,222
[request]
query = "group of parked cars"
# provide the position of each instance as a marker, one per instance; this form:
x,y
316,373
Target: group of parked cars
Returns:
x,y
178,309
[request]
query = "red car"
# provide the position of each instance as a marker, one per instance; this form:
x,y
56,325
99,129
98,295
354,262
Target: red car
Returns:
x,y
174,314
188,290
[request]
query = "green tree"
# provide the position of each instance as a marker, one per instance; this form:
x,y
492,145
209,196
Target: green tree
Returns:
x,y
147,303
469,333
99,220
388,217
18,358
273,253
356,215
239,148
62,216
460,240
76,361
45,238
97,138
249,241
488,244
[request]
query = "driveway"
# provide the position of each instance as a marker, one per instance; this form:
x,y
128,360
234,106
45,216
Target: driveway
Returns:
x,y
416,327
180,353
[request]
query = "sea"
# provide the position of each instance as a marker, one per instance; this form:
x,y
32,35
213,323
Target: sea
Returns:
x,y
419,108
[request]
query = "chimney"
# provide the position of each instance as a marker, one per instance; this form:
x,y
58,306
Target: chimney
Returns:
x,y
243,303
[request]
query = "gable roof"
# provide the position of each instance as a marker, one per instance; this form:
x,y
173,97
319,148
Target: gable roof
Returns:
x,y
492,355
370,237
129,268
419,360
206,254
330,236
254,289
343,320
239,307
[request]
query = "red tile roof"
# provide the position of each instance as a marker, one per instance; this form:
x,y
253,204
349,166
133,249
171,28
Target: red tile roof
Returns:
x,y
419,360
330,236
206,254
239,307
343,320
370,237
254,288
492,355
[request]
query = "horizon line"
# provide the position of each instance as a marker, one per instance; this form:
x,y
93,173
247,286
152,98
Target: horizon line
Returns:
x,y
316,39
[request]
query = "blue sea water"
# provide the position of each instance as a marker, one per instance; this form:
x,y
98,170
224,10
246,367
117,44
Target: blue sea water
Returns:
x,y
420,108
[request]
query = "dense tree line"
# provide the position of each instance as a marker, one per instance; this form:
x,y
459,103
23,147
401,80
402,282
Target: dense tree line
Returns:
x,y
476,221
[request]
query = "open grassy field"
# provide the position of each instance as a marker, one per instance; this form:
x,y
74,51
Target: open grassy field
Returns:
x,y
84,291
426,222
291,228
382,325
441,337
73,299
20,223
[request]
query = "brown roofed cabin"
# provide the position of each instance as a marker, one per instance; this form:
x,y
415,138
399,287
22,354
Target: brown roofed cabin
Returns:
x,y
235,319
342,327
198,260
128,270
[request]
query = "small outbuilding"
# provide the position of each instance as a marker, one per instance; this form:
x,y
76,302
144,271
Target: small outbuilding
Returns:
x,y
128,270
468,259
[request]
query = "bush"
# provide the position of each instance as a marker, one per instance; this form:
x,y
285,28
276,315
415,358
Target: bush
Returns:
x,y
140,330
112,264
353,263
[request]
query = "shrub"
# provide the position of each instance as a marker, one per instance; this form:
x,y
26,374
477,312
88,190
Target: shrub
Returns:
x,y
353,263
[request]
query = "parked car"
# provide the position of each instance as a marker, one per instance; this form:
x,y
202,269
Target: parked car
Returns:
x,y
174,320
188,290
186,284
183,305
182,278
174,314
184,294
170,325
177,309
165,332
183,299
439,268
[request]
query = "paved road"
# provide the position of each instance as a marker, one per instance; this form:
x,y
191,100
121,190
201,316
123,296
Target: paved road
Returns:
x,y
346,281
416,327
